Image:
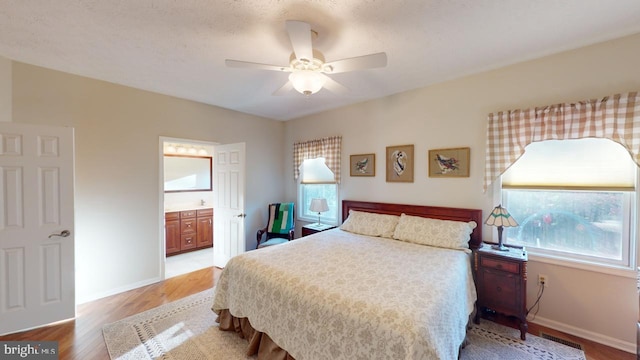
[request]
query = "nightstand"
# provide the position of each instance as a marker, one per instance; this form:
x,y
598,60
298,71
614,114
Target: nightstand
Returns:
x,y
501,283
315,228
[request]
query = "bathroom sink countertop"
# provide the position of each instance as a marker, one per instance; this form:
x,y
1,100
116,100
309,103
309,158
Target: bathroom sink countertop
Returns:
x,y
187,207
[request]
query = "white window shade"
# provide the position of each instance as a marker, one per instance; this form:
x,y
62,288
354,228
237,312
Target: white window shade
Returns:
x,y
315,171
580,163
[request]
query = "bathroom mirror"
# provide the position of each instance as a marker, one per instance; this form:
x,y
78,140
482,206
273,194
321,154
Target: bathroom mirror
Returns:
x,y
187,173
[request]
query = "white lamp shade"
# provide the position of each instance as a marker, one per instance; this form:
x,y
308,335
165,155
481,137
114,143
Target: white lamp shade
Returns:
x,y
307,81
318,205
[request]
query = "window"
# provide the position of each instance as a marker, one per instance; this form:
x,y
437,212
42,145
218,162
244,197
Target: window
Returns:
x,y
317,181
573,199
319,163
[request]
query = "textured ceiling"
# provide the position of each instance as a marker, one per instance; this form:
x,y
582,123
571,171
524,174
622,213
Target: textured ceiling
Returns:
x,y
178,48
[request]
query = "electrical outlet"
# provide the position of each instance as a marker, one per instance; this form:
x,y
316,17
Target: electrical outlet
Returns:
x,y
543,280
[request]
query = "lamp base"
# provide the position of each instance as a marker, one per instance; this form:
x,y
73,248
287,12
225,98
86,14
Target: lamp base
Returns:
x,y
500,247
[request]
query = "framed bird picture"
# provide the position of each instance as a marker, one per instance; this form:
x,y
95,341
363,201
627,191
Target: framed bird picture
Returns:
x,y
362,165
449,162
400,163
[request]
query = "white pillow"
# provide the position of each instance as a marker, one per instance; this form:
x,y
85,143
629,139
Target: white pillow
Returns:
x,y
371,224
434,232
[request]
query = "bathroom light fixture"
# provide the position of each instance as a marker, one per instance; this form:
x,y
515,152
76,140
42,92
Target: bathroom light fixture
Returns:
x,y
184,149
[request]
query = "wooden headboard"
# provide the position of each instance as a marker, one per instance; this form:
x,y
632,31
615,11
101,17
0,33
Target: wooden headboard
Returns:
x,y
435,212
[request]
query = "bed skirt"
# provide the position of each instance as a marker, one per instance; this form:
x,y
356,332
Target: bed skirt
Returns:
x,y
259,342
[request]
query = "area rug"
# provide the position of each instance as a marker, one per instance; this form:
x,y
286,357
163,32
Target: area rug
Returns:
x,y
186,329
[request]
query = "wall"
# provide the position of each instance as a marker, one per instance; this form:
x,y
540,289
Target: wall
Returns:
x,y
591,304
117,190
5,89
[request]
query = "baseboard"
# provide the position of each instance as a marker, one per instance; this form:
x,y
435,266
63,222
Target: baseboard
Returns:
x,y
119,290
589,335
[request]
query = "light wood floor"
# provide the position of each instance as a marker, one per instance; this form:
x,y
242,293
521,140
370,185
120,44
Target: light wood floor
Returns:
x,y
82,338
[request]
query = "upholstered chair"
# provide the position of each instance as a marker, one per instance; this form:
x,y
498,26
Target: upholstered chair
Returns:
x,y
280,227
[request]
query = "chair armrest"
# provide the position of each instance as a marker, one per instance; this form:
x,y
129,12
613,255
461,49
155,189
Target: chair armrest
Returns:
x,y
259,236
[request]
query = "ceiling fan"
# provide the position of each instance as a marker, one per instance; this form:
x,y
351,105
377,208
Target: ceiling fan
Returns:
x,y
308,67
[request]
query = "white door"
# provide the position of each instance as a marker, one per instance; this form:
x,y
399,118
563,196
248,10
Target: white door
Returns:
x,y
37,279
228,213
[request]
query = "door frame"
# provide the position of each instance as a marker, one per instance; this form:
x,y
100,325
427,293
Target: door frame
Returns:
x,y
161,141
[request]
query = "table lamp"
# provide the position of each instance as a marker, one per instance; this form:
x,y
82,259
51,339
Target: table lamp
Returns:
x,y
500,217
319,205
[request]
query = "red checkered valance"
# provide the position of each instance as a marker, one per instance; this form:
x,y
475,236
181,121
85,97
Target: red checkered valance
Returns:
x,y
329,148
615,117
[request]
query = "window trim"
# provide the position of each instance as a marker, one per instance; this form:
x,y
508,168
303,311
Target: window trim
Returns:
x,y
302,183
555,258
300,214
581,265
627,257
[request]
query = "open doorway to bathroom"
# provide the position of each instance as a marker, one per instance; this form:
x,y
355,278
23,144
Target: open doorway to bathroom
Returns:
x,y
186,174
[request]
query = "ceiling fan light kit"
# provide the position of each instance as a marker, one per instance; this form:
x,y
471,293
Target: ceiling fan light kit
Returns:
x,y
307,82
307,65
306,75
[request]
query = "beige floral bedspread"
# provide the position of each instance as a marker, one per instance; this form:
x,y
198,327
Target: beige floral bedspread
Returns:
x,y
337,295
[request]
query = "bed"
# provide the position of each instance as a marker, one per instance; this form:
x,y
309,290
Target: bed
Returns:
x,y
381,290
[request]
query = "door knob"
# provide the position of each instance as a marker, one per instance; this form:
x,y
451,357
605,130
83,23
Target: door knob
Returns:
x,y
63,233
241,215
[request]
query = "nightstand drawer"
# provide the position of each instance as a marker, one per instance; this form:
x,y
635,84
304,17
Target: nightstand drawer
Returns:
x,y
500,265
501,292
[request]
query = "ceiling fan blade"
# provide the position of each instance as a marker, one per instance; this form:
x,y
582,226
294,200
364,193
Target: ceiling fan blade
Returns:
x,y
252,65
300,36
334,86
287,87
358,63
